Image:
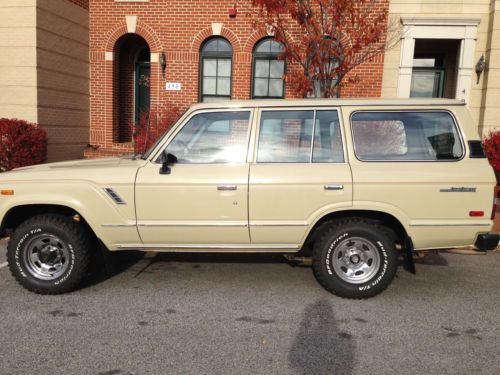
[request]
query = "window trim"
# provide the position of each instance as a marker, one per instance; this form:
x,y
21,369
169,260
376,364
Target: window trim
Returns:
x,y
185,120
269,56
256,137
455,124
217,55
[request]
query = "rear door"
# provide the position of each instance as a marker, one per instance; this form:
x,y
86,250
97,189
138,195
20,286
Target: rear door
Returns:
x,y
299,172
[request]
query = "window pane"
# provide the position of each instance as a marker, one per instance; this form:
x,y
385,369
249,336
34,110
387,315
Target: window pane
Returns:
x,y
224,66
209,67
260,87
285,137
210,46
212,138
277,69
209,86
223,86
264,46
327,138
223,45
276,87
277,47
426,84
211,99
217,45
405,136
262,68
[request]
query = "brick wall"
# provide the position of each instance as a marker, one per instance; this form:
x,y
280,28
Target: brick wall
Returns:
x,y
179,28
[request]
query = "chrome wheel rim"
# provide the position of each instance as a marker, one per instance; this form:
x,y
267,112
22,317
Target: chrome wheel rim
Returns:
x,y
46,256
356,260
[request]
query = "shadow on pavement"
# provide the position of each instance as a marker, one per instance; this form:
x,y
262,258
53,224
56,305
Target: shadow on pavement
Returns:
x,y
320,347
104,268
431,258
213,258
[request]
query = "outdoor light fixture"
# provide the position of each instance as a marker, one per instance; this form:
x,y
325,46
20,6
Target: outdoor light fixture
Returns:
x,y
163,62
480,66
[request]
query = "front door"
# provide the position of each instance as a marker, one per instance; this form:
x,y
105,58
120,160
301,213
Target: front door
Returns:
x,y
204,199
142,88
300,174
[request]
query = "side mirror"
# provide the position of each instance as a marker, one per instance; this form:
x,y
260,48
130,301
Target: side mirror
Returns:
x,y
167,160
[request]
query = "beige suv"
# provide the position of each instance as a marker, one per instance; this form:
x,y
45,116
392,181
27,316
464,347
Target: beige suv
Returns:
x,y
353,183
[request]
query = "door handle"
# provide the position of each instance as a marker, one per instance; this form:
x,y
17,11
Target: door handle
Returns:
x,y
334,187
226,187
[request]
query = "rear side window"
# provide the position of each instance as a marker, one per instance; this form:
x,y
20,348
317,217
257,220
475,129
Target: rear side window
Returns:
x,y
300,136
406,136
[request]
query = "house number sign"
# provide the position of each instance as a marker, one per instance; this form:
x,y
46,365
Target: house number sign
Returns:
x,y
173,86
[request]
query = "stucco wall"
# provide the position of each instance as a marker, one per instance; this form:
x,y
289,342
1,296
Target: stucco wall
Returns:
x,y
479,92
18,91
63,77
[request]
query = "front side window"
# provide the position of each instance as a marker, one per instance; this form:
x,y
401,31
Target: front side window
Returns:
x,y
405,136
215,137
300,137
268,70
216,70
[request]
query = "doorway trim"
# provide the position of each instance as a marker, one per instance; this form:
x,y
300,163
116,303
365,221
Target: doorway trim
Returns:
x,y
459,28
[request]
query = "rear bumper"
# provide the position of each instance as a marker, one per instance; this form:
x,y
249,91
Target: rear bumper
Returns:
x,y
487,241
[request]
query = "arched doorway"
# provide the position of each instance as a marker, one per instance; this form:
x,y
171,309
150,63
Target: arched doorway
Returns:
x,y
131,94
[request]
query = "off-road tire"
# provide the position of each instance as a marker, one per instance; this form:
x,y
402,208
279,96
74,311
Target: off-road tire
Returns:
x,y
336,235
71,234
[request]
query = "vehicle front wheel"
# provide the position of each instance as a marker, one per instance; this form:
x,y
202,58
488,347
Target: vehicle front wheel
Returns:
x,y
49,254
354,258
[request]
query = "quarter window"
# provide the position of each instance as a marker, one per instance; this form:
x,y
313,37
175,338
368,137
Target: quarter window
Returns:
x,y
216,70
300,137
215,137
405,136
268,70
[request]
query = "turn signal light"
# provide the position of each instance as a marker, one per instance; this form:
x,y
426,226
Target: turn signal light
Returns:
x,y
476,213
7,192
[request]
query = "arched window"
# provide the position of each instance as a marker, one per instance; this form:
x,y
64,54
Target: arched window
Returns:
x,y
268,71
216,64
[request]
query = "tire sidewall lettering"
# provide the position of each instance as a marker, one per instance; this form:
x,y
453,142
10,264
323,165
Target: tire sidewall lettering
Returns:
x,y
19,258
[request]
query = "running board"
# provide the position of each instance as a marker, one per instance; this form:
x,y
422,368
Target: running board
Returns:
x,y
278,248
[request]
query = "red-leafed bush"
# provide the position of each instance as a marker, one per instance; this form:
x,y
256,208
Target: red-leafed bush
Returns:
x,y
491,146
152,126
22,144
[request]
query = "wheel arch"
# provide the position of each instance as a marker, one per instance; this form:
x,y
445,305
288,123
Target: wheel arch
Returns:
x,y
20,213
380,217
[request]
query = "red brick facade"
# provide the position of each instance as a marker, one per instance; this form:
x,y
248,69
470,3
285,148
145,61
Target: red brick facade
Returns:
x,y
178,28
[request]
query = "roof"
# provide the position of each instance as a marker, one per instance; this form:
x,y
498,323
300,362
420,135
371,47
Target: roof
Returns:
x,y
327,102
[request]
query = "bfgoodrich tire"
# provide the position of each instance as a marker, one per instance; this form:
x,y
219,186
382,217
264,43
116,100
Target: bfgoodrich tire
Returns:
x,y
49,254
354,258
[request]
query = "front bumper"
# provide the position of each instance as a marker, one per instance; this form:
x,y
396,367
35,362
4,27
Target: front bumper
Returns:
x,y
487,241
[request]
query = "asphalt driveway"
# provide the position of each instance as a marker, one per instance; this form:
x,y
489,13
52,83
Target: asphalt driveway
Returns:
x,y
253,314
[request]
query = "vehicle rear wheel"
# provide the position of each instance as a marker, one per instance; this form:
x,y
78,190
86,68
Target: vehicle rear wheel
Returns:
x,y
354,258
49,254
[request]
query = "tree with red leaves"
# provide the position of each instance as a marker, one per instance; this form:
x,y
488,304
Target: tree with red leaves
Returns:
x,y
338,35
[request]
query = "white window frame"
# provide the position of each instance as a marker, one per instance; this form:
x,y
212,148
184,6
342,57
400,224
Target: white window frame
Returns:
x,y
456,28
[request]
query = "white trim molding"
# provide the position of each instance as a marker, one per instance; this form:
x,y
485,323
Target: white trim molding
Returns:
x,y
458,28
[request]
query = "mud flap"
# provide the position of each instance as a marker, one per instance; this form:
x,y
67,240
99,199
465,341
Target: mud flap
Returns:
x,y
409,264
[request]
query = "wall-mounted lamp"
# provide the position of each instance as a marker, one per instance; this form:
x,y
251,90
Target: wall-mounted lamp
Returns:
x,y
163,63
480,66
